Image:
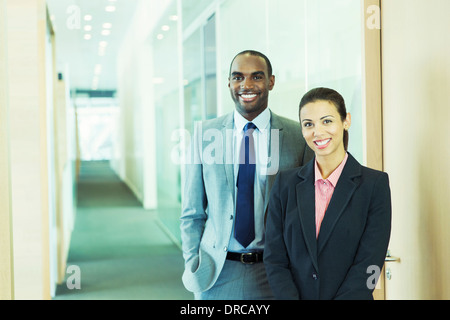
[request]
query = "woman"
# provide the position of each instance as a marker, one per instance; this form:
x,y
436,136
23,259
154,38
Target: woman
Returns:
x,y
329,222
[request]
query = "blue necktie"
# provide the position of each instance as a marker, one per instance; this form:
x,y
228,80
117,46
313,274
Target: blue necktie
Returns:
x,y
244,229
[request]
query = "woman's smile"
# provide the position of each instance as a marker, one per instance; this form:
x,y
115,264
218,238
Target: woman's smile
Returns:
x,y
323,129
322,144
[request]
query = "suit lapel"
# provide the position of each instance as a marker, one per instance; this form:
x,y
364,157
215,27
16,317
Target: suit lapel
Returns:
x,y
227,136
275,158
306,209
342,194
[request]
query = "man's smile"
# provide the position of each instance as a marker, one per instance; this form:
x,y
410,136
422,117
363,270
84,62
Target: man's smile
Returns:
x,y
248,96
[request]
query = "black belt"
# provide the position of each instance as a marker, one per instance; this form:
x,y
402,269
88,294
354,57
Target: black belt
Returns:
x,y
246,258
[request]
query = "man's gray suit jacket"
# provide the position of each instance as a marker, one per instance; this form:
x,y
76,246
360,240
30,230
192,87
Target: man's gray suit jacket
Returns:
x,y
208,208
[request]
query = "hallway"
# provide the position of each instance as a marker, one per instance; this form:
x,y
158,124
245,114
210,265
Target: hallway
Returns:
x,y
119,247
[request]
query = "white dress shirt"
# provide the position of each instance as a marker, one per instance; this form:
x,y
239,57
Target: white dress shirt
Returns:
x,y
261,137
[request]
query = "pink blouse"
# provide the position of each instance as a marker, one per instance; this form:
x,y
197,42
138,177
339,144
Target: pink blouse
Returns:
x,y
324,190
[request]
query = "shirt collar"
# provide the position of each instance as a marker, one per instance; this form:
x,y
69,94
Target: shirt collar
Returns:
x,y
334,176
261,121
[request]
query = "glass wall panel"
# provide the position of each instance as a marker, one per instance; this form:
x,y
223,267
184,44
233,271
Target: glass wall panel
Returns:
x,y
192,77
286,51
310,43
243,26
199,74
191,10
210,63
333,51
167,112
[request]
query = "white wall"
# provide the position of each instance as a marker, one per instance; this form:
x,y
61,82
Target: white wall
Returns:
x,y
6,249
416,81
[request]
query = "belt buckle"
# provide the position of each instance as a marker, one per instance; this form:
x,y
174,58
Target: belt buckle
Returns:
x,y
246,254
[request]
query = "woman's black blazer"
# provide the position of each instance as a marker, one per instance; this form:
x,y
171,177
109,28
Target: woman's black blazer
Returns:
x,y
346,259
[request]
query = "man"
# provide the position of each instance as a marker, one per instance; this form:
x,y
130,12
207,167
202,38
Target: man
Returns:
x,y
225,199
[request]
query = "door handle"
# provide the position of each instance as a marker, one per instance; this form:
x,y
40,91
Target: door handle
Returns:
x,y
390,258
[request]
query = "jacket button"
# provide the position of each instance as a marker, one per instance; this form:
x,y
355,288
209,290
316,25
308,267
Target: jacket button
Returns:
x,y
315,276
225,249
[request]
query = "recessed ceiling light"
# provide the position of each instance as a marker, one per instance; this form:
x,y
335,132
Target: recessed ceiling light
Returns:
x,y
95,83
157,80
107,25
160,36
165,28
98,69
110,8
102,48
106,32
88,17
87,28
87,36
173,18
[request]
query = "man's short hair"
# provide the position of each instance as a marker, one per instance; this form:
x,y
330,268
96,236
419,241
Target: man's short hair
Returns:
x,y
254,53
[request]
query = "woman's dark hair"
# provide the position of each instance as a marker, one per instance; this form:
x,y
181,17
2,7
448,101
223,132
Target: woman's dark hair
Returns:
x,y
330,95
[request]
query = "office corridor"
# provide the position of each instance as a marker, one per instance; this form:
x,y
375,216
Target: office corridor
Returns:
x,y
119,247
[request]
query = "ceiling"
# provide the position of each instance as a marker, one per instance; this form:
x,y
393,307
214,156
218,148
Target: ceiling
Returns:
x,y
87,49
